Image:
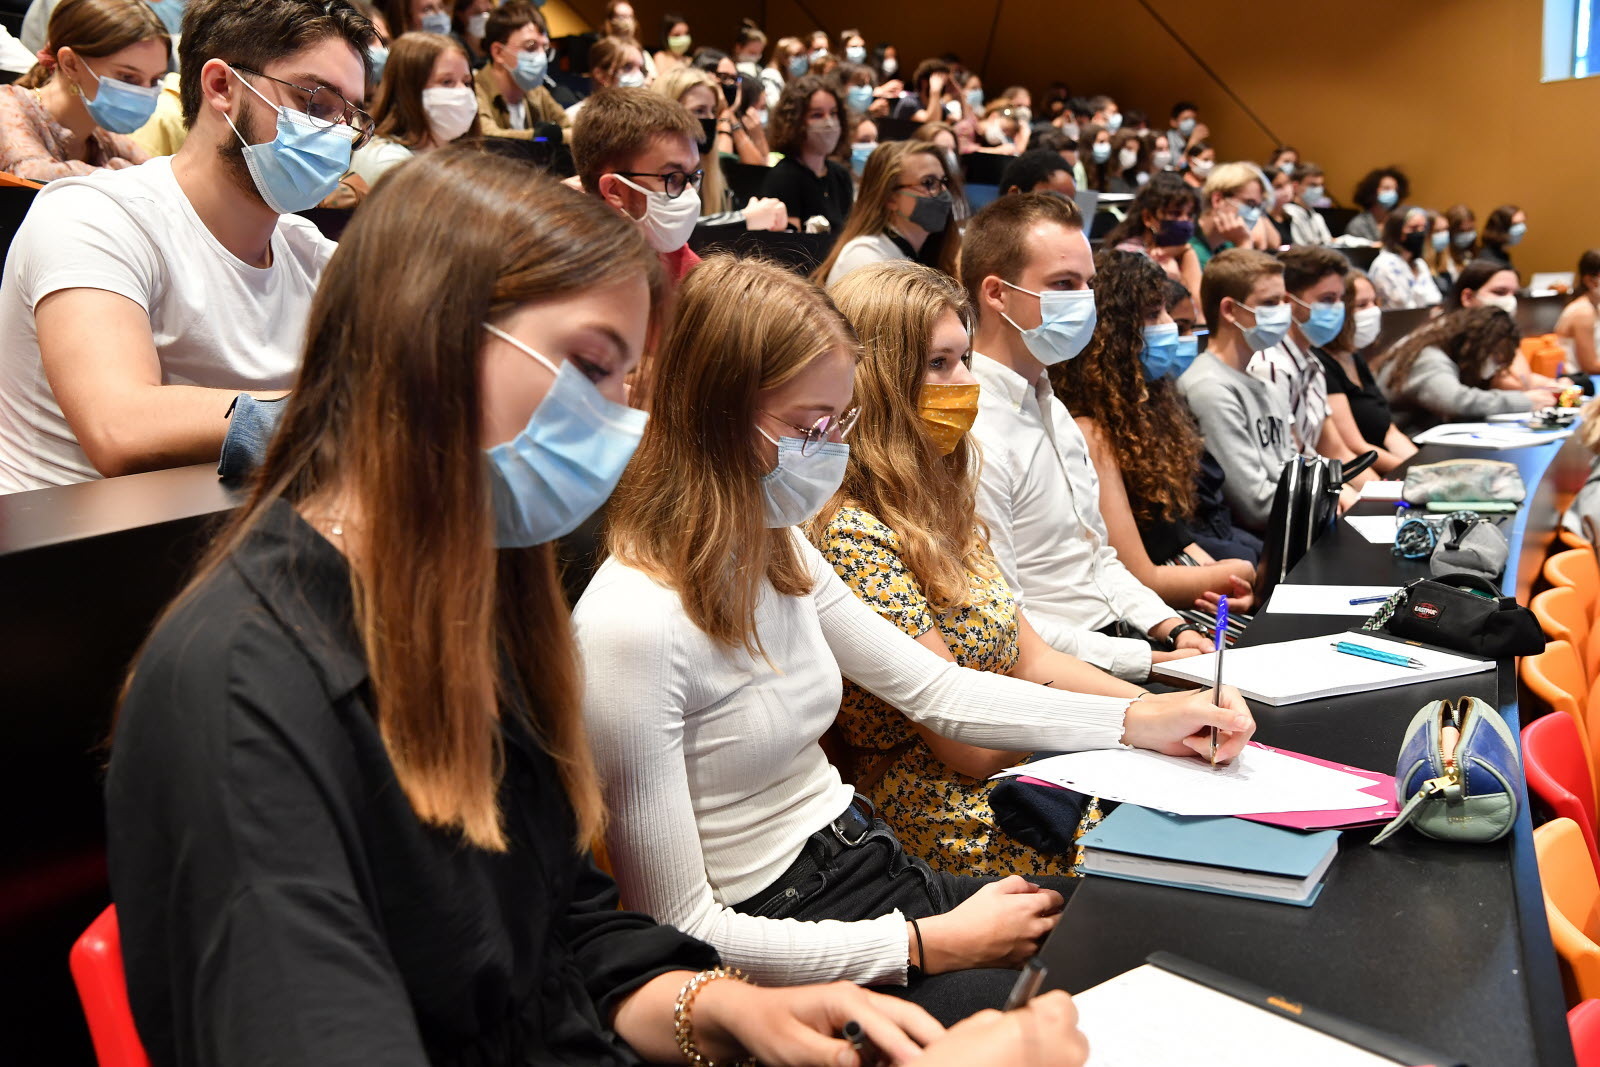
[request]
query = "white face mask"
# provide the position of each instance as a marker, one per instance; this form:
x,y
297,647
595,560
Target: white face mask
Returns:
x,y
667,222
1369,321
1506,302
1201,167
450,111
799,485
822,135
631,79
477,24
1128,157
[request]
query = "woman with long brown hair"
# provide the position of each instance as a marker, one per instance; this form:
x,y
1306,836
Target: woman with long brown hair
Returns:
x,y
715,640
1445,371
97,80
425,100
1142,440
350,801
903,211
903,534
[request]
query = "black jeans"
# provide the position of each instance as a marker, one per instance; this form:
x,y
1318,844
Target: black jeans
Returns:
x,y
859,871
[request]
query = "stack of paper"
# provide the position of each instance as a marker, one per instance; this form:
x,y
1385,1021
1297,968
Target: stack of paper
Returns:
x,y
1328,599
1377,529
1489,435
1382,490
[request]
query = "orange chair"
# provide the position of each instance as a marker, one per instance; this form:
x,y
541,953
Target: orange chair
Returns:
x,y
1573,540
1577,569
1555,755
1571,905
1562,617
1556,677
1583,1022
96,961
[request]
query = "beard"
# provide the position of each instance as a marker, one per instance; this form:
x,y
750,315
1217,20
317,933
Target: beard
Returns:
x,y
231,152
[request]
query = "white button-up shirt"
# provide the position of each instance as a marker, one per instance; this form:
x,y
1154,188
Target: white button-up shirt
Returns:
x,y
1040,496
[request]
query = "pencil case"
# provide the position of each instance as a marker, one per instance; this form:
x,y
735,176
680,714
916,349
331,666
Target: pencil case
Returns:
x,y
1464,479
1460,612
1457,776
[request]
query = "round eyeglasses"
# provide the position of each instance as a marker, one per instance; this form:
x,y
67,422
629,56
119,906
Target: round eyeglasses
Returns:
x,y
821,430
673,182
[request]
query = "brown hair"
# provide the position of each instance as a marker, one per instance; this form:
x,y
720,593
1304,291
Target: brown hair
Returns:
x,y
871,213
1232,272
506,20
95,28
608,54
996,241
1473,338
616,124
896,472
788,119
1146,424
689,510
397,112
387,412
244,33
1306,265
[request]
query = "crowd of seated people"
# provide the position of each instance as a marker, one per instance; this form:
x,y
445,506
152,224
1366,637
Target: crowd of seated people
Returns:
x,y
874,527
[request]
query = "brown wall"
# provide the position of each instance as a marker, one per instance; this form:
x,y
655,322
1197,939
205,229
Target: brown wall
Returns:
x,y
1448,90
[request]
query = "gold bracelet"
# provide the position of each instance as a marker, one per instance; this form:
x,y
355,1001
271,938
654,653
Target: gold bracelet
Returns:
x,y
683,1018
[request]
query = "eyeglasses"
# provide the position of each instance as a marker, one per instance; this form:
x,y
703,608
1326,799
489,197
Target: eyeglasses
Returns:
x,y
822,429
933,185
673,182
326,108
730,79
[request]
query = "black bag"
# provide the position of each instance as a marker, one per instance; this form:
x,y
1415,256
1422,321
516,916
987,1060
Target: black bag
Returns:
x,y
1461,612
1304,506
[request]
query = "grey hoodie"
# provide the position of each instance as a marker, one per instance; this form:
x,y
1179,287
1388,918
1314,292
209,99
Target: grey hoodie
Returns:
x,y
1246,427
1434,393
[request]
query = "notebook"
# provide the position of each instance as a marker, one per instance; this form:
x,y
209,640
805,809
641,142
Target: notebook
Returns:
x,y
1214,854
1310,669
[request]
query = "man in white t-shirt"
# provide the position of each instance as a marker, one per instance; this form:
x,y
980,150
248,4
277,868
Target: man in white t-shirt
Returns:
x,y
137,304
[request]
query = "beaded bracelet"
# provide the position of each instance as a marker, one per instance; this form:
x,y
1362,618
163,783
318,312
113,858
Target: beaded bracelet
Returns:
x,y
683,1017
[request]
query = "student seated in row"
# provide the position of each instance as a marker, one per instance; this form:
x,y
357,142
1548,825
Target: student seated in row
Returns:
x,y
1160,224
903,211
1144,443
1451,370
425,100
1027,268
715,640
1306,224
1230,211
512,88
96,81
805,126
1244,421
1487,283
137,304
1579,324
902,532
1355,400
1038,170
1400,272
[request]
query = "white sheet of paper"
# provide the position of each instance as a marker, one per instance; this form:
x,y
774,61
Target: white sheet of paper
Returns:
x,y
1258,781
1488,435
1382,490
1378,529
1327,599
1124,1031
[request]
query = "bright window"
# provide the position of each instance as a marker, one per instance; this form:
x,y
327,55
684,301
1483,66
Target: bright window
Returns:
x,y
1571,39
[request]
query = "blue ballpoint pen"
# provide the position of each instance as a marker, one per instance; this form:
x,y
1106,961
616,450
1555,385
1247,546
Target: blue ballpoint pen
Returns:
x,y
1351,648
1222,643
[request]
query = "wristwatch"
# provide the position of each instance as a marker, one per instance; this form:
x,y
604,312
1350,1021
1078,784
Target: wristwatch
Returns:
x,y
1172,634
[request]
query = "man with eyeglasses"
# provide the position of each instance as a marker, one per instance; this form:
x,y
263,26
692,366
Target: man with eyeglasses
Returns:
x,y
138,304
513,88
638,151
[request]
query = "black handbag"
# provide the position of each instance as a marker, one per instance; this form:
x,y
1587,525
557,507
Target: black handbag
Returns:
x,y
1304,506
1463,613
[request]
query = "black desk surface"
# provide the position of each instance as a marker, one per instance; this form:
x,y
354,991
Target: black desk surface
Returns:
x,y
1445,945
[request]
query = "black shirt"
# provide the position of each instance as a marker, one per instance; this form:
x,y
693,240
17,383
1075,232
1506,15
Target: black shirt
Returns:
x,y
1367,402
805,194
279,900
1282,228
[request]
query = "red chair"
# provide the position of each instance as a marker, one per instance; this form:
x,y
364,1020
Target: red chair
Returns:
x,y
1583,1022
96,961
1555,756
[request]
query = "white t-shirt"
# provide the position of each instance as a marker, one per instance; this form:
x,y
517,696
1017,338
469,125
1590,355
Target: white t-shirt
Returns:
x,y
376,156
864,251
517,113
216,320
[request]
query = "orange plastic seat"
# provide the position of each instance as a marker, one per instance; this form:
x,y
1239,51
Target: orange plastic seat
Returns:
x,y
1562,616
1556,677
1555,755
1583,1022
96,961
1572,540
1575,568
1571,905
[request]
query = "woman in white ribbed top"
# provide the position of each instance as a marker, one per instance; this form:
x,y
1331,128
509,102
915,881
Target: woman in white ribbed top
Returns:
x,y
713,643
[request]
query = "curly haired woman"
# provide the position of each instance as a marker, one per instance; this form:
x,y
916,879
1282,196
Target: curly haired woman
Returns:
x,y
1142,440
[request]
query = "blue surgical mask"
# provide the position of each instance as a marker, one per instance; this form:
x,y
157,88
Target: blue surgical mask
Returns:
x,y
170,12
859,153
1313,194
1186,127
856,53
300,166
530,69
1286,167
566,461
378,54
858,98
1101,151
1441,240
798,66
1160,344
1271,326
1184,354
1465,238
1066,323
1388,197
1250,214
118,106
799,485
1514,234
434,22
1114,121
975,99
1325,322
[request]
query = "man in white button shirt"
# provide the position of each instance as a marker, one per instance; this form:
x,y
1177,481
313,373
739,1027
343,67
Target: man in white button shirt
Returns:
x,y
1027,265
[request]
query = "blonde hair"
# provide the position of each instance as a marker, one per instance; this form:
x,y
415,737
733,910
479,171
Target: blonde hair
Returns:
x,y
689,510
872,214
896,472
1227,179
673,85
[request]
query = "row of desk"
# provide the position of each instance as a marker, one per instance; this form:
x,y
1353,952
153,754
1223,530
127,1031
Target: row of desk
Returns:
x,y
1443,944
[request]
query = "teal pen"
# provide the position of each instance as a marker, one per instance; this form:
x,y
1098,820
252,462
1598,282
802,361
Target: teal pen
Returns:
x,y
1350,648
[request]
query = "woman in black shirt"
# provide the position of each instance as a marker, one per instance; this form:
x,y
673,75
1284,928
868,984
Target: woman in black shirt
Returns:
x,y
1355,402
350,798
806,127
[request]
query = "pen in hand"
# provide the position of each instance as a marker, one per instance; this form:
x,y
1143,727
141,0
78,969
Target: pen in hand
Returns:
x,y
1222,644
861,1044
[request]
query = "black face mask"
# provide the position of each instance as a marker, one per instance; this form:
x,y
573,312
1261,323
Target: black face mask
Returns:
x,y
1413,242
730,93
932,213
708,134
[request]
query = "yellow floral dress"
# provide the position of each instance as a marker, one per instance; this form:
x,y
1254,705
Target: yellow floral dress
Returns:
x,y
940,815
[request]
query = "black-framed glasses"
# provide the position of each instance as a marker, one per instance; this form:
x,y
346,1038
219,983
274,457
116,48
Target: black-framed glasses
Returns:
x,y
822,429
933,184
326,108
729,79
673,182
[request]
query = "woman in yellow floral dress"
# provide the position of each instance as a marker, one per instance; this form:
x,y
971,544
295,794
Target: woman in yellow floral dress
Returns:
x,y
902,532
